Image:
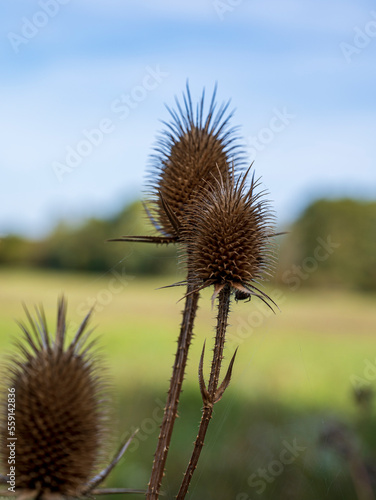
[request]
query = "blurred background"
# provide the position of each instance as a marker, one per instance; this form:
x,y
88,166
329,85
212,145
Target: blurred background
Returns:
x,y
84,87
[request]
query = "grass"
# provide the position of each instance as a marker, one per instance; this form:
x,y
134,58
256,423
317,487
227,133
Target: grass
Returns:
x,y
292,374
304,355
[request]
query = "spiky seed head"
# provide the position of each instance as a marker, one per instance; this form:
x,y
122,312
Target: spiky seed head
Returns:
x,y
187,155
59,416
229,238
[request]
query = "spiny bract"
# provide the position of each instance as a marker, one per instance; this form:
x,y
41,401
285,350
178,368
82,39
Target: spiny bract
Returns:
x,y
229,238
59,416
188,154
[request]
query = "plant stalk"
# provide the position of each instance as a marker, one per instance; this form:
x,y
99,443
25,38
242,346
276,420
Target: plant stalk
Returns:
x,y
360,478
176,381
207,411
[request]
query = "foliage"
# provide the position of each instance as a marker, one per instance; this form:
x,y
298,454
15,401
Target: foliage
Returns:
x,y
350,226
85,247
348,223
293,379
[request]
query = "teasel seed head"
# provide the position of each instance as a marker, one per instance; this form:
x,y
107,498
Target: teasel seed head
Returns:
x,y
60,410
229,239
189,152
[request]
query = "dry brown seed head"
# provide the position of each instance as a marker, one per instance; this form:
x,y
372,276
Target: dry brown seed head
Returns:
x,y
59,415
187,155
229,237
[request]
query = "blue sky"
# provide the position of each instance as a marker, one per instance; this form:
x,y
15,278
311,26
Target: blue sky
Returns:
x,y
301,75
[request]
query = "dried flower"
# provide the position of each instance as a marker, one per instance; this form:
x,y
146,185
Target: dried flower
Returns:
x,y
228,246
60,412
188,153
229,238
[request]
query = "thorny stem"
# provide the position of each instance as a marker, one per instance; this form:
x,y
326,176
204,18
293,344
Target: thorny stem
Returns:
x,y
174,391
207,411
360,479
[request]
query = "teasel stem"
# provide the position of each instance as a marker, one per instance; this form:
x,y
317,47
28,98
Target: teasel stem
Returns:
x,y
360,478
213,393
176,381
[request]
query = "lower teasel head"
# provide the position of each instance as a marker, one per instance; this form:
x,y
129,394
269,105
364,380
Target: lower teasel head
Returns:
x,y
60,412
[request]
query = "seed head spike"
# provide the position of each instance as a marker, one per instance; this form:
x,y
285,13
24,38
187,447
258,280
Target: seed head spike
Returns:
x,y
217,289
60,328
175,223
158,240
99,478
117,491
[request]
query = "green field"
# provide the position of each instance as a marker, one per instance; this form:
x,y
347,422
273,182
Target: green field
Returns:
x,y
292,378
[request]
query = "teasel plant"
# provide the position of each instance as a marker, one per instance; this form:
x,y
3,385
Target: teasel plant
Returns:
x,y
230,249
194,148
61,415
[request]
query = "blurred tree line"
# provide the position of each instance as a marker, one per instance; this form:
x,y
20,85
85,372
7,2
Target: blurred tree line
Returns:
x,y
333,243
86,248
